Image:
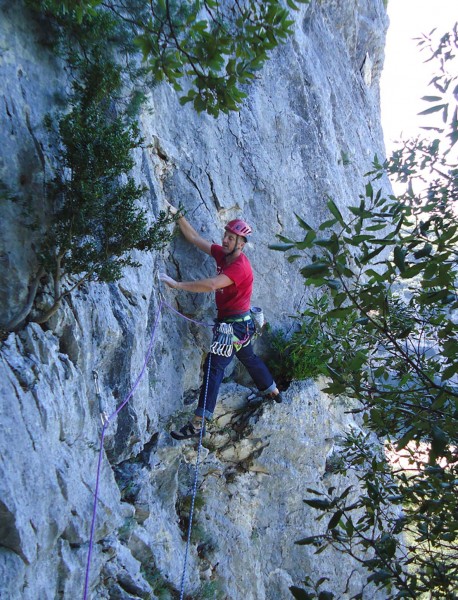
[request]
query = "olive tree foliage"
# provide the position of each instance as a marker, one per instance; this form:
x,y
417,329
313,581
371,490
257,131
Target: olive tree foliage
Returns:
x,y
207,50
93,221
387,306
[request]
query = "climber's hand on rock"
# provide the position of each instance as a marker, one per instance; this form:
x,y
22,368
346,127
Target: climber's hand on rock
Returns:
x,y
168,280
170,207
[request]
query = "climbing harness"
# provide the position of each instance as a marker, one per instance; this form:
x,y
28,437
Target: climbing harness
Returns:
x,y
224,339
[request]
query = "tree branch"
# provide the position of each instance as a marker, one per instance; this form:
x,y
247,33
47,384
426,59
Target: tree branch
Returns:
x,y
16,322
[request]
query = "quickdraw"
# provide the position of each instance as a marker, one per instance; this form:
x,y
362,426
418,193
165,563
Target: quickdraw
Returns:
x,y
223,337
224,340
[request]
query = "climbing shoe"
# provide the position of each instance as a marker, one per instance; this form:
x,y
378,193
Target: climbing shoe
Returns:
x,y
254,396
187,432
190,398
259,396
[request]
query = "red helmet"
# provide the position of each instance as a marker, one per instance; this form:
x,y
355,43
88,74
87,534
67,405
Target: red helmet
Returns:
x,y
239,227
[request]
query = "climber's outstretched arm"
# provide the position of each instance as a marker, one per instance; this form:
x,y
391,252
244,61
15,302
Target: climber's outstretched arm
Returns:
x,y
189,233
211,284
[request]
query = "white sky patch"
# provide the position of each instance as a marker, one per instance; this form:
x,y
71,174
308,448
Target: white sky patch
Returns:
x,y
405,75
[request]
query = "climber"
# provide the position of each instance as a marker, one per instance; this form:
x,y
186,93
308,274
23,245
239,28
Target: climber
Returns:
x,y
233,285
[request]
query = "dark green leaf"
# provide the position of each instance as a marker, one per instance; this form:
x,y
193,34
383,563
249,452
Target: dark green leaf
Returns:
x,y
450,371
439,441
431,98
425,251
338,313
281,247
307,541
327,224
345,493
399,258
379,576
384,242
358,239
302,223
377,227
307,242
319,503
371,255
314,269
300,594
331,243
349,527
369,190
335,211
433,109
284,239
406,438
334,284
313,491
334,520
412,270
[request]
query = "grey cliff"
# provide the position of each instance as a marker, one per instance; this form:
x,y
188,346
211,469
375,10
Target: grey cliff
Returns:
x,y
308,130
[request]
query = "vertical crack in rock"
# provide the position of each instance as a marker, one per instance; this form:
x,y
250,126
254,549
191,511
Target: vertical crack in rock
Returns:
x,y
163,166
36,143
218,205
9,114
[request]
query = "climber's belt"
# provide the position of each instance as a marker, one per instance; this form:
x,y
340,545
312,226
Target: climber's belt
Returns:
x,y
236,318
224,341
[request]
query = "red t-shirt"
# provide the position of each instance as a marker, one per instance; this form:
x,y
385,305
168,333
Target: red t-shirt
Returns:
x,y
233,299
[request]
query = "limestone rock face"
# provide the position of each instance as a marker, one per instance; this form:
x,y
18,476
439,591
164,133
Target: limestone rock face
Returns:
x,y
308,130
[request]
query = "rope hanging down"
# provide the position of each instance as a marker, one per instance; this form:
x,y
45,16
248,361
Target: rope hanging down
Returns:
x,y
194,489
106,422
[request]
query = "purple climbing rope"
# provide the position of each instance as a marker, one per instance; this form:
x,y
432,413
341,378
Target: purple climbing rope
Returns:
x,y
185,317
105,425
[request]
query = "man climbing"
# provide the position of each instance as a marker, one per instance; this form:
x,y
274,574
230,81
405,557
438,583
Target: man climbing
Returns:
x,y
233,286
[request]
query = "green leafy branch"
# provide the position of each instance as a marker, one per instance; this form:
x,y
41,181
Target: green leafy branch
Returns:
x,y
219,49
392,500
364,290
389,266
209,47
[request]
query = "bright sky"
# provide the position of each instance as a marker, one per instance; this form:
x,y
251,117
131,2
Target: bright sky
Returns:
x,y
405,77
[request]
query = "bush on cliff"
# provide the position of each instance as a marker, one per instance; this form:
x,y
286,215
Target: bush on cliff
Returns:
x,y
391,269
92,222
